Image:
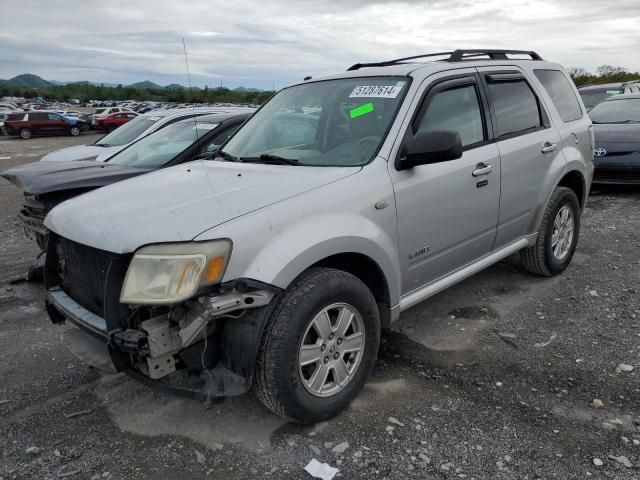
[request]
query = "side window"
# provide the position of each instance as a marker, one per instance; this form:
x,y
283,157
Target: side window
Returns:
x,y
457,109
219,139
561,93
516,107
55,117
38,117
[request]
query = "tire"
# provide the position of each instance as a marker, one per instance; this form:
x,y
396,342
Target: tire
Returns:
x,y
110,128
546,258
74,131
282,383
25,133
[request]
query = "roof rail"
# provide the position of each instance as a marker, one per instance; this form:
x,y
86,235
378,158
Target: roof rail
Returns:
x,y
455,56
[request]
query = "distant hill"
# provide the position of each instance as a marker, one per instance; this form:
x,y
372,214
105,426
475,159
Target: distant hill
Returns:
x,y
144,85
28,80
249,90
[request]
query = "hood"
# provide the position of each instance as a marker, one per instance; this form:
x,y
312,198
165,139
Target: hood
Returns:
x,y
627,133
38,178
178,203
80,152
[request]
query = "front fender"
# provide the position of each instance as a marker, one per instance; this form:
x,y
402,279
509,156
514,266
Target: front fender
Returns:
x,y
277,243
308,242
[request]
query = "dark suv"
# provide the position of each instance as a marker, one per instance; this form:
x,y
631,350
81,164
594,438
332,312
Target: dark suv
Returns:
x,y
594,94
26,124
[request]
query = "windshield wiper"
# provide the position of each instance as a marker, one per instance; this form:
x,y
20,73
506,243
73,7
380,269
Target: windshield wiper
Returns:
x,y
630,121
102,145
271,159
223,155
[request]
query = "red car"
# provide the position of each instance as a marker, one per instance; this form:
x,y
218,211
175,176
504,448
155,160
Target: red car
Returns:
x,y
26,124
112,121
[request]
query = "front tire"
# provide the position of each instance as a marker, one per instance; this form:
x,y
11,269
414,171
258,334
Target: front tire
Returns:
x,y
319,346
557,237
75,131
25,133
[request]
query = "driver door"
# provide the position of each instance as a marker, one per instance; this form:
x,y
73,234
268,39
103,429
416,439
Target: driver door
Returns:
x,y
448,212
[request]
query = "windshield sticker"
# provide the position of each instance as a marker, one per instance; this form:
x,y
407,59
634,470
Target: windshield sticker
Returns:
x,y
205,126
377,91
361,110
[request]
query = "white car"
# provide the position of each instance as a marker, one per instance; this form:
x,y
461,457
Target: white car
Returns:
x,y
139,127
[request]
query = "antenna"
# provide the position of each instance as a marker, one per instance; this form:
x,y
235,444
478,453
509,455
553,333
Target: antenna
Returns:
x,y
193,107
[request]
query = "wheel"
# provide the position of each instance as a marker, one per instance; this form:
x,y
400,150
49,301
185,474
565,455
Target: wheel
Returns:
x,y
319,346
558,235
111,128
25,133
74,131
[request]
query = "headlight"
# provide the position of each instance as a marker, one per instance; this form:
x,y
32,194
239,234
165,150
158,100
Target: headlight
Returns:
x,y
172,272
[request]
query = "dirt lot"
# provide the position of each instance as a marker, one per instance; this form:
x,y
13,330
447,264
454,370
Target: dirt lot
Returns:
x,y
494,378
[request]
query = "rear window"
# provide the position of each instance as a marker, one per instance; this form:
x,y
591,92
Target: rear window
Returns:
x,y
100,111
16,117
516,107
38,117
561,93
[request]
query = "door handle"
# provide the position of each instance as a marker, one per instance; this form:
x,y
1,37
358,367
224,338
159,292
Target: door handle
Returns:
x,y
548,147
482,169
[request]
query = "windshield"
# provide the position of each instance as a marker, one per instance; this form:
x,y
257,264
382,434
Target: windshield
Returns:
x,y
616,111
128,132
330,123
162,146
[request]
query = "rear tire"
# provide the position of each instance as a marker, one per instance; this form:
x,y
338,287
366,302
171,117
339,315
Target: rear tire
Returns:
x,y
557,237
74,131
25,133
110,128
341,358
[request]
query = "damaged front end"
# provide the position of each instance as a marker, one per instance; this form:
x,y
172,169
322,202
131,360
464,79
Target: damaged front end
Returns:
x,y
203,347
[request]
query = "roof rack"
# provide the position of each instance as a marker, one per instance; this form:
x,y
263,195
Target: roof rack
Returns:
x,y
455,56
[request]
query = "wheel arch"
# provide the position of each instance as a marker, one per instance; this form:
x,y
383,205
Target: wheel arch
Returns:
x,y
369,272
575,180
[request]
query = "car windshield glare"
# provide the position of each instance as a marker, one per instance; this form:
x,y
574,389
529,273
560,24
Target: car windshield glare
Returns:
x,y
128,132
616,111
162,146
327,123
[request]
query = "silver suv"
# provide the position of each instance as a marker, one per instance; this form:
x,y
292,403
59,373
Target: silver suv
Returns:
x,y
342,202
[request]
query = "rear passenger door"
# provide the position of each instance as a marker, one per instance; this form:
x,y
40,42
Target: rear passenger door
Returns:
x,y
529,149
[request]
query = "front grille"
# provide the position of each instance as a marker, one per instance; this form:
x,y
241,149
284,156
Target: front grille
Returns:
x,y
84,271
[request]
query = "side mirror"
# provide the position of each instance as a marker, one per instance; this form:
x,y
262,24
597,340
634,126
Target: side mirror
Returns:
x,y
429,147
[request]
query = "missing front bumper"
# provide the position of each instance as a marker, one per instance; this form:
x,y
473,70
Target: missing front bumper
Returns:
x,y
209,353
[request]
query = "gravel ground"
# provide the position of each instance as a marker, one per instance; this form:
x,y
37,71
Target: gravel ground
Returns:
x,y
495,378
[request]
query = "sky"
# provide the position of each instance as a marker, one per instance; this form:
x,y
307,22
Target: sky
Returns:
x,y
265,44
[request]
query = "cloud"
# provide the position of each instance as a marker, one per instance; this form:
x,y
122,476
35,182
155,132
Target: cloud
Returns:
x,y
258,43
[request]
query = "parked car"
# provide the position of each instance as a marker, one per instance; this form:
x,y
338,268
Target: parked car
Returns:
x,y
104,111
276,264
139,127
109,123
594,94
617,132
3,117
46,184
41,123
